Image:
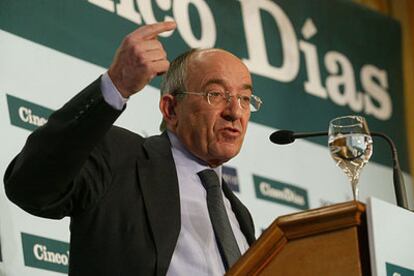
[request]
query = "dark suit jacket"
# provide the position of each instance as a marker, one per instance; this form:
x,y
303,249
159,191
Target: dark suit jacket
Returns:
x,y
120,190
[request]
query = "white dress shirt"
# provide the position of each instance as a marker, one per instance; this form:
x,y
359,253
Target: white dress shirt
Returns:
x,y
196,251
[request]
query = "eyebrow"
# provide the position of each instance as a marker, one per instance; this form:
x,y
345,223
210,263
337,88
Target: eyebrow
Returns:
x,y
248,86
223,83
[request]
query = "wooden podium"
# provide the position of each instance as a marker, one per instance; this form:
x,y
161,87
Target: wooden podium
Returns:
x,y
330,240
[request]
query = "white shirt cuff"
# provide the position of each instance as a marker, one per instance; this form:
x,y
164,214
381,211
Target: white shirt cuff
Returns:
x,y
111,94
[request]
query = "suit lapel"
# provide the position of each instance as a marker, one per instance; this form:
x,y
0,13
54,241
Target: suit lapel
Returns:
x,y
159,185
242,214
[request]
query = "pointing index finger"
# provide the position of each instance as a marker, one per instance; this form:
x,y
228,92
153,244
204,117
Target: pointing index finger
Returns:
x,y
152,30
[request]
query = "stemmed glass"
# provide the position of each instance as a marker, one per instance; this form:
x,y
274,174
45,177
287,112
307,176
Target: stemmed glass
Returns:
x,y
350,144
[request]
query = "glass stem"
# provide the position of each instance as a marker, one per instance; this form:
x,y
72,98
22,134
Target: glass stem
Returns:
x,y
355,189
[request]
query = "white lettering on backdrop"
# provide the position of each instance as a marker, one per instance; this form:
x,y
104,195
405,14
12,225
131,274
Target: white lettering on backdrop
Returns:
x,y
340,84
27,116
43,254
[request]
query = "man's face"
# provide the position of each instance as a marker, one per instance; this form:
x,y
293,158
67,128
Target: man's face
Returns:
x,y
213,133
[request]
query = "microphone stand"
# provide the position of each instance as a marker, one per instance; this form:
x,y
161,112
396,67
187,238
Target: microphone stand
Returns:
x,y
399,186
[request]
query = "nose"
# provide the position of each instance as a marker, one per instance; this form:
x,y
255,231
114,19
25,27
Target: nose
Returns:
x,y
233,110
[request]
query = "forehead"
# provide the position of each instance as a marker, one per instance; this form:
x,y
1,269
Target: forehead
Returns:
x,y
217,67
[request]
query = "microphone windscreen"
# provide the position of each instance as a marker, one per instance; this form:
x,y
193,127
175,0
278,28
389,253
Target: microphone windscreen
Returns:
x,y
282,137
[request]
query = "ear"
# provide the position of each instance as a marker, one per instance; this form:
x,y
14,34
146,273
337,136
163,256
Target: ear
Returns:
x,y
168,105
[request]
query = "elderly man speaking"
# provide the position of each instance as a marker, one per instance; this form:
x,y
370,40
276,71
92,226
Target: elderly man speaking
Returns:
x,y
145,206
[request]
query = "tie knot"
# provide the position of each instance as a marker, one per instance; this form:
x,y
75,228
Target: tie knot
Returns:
x,y
209,178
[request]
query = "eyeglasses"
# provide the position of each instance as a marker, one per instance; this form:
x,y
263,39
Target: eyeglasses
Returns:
x,y
217,98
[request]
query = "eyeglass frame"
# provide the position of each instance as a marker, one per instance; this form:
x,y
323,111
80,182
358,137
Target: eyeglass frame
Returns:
x,y
227,96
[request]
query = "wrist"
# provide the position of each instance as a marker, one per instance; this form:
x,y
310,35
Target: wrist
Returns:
x,y
116,81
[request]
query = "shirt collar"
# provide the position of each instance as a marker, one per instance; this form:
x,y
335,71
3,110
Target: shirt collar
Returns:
x,y
184,158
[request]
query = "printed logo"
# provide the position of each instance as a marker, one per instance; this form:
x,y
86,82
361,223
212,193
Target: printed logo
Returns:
x,y
231,178
282,193
395,270
25,114
45,253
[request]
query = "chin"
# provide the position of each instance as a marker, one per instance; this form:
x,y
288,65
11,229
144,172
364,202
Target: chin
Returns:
x,y
226,153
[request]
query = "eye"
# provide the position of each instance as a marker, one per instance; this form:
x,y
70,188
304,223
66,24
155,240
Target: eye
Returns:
x,y
214,94
245,99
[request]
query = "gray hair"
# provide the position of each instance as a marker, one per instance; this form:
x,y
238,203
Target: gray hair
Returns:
x,y
175,78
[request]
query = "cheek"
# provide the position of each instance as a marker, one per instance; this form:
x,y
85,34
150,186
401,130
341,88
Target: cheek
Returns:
x,y
205,121
214,125
244,124
201,127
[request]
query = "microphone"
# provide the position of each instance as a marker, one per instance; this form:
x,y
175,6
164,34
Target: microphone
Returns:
x,y
284,137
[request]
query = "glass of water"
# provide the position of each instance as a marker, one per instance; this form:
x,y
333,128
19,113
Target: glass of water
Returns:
x,y
350,145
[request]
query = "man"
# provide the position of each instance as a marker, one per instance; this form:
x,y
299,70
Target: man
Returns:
x,y
138,206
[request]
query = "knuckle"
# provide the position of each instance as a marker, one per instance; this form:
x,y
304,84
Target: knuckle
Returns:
x,y
163,67
146,66
163,54
138,52
128,40
152,28
158,44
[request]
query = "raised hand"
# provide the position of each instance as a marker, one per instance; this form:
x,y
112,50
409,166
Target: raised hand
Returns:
x,y
140,58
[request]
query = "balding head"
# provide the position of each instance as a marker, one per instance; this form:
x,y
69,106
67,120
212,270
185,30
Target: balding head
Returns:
x,y
175,79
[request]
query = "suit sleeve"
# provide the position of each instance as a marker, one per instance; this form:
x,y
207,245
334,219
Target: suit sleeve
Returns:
x,y
62,168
